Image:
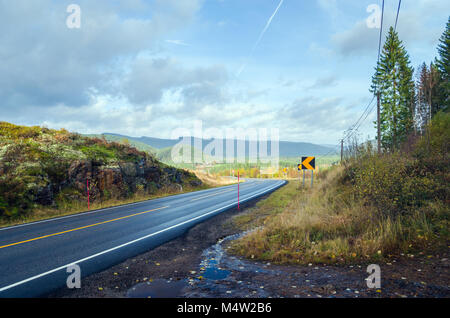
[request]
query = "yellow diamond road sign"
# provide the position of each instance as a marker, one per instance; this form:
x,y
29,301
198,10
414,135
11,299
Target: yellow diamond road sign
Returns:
x,y
308,163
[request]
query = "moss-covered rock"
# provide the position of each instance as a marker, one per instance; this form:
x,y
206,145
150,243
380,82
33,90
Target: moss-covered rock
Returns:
x,y
45,167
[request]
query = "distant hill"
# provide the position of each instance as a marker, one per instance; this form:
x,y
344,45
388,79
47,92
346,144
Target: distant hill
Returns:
x,y
121,139
287,149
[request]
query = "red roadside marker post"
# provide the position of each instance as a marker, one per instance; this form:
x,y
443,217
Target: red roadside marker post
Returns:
x,y
238,189
87,186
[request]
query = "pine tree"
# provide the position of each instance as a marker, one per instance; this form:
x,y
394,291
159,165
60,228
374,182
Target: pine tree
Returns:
x,y
422,107
427,88
393,78
443,65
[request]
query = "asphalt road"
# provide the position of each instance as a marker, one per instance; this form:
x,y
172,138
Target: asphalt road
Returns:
x,y
34,257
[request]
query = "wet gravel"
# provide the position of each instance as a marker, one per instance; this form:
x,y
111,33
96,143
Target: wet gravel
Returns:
x,y
247,279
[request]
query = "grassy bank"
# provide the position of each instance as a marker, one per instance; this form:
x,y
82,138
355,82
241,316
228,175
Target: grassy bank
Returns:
x,y
369,208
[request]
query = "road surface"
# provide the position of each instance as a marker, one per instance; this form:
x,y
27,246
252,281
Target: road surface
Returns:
x,y
34,257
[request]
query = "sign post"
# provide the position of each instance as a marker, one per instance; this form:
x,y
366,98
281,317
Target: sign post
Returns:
x,y
308,163
285,172
303,178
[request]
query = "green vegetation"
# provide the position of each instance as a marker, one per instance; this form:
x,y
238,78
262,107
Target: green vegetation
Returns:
x,y
443,66
127,141
263,170
45,172
369,208
374,205
407,107
393,80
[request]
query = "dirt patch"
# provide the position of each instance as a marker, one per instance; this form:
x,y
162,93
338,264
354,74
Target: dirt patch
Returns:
x,y
423,276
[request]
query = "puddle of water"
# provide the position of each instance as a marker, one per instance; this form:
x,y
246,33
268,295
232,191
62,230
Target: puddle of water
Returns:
x,y
217,265
211,262
212,271
217,270
158,288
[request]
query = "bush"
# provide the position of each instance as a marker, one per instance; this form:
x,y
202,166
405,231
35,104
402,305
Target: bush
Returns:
x,y
392,183
371,207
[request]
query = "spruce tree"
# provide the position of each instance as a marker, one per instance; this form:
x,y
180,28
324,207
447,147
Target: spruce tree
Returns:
x,y
427,88
443,65
393,78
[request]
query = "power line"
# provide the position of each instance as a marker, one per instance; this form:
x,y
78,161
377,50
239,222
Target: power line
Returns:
x,y
381,33
332,150
359,122
366,112
398,10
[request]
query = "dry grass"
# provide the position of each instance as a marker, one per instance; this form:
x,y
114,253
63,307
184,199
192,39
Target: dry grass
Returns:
x,y
214,180
327,224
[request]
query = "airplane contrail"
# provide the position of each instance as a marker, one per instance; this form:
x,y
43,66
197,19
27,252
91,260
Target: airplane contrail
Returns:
x,y
177,42
260,36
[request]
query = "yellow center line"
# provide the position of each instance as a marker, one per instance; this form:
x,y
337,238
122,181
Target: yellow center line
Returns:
x,y
210,195
80,228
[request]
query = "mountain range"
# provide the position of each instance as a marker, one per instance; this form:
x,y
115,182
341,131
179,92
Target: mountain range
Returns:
x,y
161,147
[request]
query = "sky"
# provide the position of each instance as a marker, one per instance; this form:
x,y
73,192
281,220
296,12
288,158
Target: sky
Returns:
x,y
147,68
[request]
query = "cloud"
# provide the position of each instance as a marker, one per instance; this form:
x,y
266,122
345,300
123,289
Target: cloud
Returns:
x,y
312,113
316,49
149,78
324,82
359,39
330,6
418,26
45,64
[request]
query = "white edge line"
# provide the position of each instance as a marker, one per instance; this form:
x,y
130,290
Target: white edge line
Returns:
x,y
131,242
210,195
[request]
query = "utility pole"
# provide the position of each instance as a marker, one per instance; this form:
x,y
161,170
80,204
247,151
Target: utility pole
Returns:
x,y
342,149
378,124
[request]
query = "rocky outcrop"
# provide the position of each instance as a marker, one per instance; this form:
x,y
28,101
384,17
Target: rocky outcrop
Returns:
x,y
45,167
118,181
